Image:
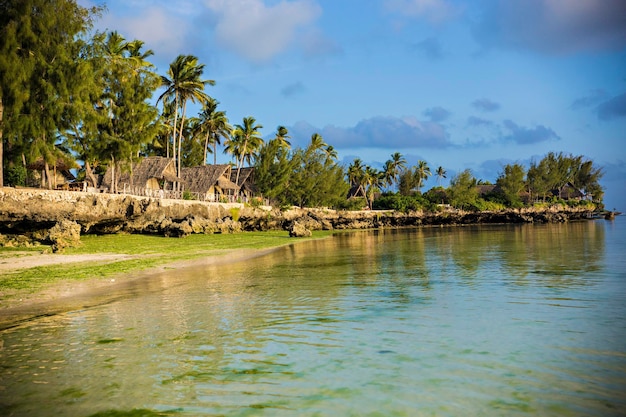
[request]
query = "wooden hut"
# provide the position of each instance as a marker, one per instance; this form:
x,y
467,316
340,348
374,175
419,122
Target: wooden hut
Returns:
x,y
248,188
210,182
150,174
58,175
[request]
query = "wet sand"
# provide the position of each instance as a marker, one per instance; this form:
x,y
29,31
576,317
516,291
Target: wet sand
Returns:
x,y
68,295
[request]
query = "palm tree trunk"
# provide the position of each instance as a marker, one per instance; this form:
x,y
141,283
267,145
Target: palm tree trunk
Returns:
x,y
206,147
180,136
215,152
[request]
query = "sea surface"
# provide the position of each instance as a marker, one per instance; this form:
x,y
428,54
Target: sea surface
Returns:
x,y
504,320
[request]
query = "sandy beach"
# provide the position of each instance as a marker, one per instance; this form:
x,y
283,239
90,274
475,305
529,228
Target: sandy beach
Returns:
x,y
67,295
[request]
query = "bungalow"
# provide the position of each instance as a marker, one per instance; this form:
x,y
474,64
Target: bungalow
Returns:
x,y
57,175
248,188
151,174
210,182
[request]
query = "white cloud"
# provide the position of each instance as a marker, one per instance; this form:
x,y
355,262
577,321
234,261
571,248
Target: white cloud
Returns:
x,y
155,26
257,31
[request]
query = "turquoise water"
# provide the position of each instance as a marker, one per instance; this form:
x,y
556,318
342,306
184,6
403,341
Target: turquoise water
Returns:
x,y
498,320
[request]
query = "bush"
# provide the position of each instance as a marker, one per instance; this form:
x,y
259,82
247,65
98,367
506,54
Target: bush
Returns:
x,y
15,175
188,195
234,214
352,204
402,203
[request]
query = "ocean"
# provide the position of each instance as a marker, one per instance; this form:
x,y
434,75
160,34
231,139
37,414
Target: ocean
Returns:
x,y
498,320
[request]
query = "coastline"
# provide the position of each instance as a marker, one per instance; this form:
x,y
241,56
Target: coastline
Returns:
x,y
34,214
67,295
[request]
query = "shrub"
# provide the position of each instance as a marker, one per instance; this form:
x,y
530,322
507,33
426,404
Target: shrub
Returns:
x,y
234,213
188,195
15,175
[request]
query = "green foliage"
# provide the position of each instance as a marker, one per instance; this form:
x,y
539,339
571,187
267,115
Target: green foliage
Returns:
x,y
437,195
234,213
352,204
511,183
15,175
463,193
272,171
39,68
188,195
317,180
402,203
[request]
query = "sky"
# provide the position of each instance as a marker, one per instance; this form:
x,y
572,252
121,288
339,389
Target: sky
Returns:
x,y
460,84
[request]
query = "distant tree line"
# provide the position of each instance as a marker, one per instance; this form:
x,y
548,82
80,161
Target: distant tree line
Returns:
x,y
69,96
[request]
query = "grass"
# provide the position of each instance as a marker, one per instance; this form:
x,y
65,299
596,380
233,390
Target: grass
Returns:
x,y
147,252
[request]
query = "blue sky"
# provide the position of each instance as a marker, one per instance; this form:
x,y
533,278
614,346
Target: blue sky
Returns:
x,y
458,83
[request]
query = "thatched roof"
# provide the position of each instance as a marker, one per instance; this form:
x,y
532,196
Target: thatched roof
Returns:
x,y
150,167
357,191
201,179
246,178
62,164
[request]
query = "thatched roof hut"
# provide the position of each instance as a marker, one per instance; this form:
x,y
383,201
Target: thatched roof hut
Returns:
x,y
209,180
357,191
149,173
246,181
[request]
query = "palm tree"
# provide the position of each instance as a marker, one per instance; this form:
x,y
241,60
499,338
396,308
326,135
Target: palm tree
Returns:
x,y
441,173
213,124
356,171
422,172
282,134
183,83
398,163
317,142
389,173
245,140
331,152
373,180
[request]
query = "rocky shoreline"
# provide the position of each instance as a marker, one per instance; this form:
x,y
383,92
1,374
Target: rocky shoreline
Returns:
x,y
60,217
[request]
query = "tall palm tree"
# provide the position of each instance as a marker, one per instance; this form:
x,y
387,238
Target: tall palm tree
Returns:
x,y
398,163
422,172
213,124
441,173
389,173
182,83
372,180
244,141
282,134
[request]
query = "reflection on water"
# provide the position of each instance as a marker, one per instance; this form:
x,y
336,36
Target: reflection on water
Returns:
x,y
504,320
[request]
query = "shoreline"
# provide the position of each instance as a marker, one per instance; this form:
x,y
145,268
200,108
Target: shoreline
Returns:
x,y
68,295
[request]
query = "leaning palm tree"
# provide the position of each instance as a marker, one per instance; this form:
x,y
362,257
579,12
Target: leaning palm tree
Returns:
x,y
244,142
182,83
213,125
422,172
389,173
441,173
398,163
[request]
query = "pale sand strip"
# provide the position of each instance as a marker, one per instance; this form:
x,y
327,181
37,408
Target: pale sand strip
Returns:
x,y
70,295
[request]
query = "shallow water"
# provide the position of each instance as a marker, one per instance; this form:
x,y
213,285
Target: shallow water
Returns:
x,y
498,320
